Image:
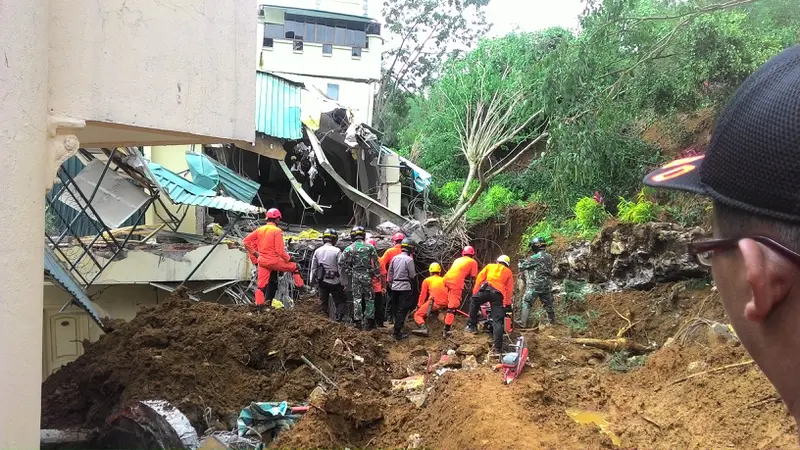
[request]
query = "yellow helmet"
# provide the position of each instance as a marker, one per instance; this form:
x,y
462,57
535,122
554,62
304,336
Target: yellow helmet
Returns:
x,y
435,268
504,259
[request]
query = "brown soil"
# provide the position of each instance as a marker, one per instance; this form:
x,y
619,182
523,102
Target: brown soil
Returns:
x,y
506,230
206,355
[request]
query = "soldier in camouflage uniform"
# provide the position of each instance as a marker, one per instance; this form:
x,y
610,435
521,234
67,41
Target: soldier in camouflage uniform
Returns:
x,y
538,270
359,261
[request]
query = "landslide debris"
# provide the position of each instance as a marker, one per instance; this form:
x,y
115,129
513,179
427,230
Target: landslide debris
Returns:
x,y
210,361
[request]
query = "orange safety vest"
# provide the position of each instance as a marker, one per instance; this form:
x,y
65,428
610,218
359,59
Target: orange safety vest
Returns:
x,y
499,277
433,287
462,268
267,241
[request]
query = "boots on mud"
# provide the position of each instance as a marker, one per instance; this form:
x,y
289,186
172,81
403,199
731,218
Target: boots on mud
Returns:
x,y
471,329
421,331
357,324
446,332
399,336
370,325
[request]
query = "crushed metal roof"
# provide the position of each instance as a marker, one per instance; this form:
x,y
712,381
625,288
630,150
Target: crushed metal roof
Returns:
x,y
278,107
184,192
64,279
231,183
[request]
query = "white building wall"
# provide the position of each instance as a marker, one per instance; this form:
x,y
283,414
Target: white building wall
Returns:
x,y
357,77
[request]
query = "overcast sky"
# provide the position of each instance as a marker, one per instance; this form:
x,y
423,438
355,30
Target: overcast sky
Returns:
x,y
506,15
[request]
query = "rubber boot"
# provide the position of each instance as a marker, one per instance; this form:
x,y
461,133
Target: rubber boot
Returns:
x,y
370,324
357,324
471,329
526,315
421,331
399,337
446,332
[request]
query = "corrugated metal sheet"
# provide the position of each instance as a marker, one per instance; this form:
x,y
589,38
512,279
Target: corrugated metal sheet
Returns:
x,y
217,175
61,276
184,192
84,226
277,107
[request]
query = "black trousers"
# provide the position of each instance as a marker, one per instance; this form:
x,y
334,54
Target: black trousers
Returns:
x,y
380,309
389,308
403,304
495,299
327,290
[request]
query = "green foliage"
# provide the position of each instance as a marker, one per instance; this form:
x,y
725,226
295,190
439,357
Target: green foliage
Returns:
x,y
491,204
449,193
589,213
622,361
574,293
633,62
543,229
640,211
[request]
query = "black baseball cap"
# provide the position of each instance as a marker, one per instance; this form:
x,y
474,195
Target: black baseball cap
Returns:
x,y
753,161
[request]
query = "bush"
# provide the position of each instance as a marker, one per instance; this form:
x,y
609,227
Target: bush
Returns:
x,y
449,192
640,211
491,204
543,229
589,213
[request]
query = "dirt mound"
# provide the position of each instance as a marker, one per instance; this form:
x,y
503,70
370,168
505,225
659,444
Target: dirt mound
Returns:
x,y
210,361
656,315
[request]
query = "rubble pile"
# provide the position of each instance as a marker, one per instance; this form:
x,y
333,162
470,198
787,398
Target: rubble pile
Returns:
x,y
210,361
628,256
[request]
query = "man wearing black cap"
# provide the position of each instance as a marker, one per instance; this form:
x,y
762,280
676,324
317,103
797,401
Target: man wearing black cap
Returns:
x,y
752,173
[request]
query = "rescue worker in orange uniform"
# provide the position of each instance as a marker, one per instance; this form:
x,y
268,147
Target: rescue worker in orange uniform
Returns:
x,y
454,279
385,260
377,285
432,297
495,285
267,250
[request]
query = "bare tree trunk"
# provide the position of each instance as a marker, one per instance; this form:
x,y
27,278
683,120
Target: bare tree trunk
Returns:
x,y
465,190
464,206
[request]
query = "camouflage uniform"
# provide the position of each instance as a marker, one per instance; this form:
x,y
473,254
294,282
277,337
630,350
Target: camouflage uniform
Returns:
x,y
359,261
538,270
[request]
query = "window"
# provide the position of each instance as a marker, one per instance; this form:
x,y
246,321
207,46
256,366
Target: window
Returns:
x,y
340,38
274,31
361,39
356,52
293,29
269,42
297,46
328,36
350,39
310,33
333,91
327,49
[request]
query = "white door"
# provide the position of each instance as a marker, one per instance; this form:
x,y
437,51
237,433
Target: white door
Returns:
x,y
64,333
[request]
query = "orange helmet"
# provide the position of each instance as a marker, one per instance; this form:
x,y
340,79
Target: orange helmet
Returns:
x,y
398,237
468,251
274,214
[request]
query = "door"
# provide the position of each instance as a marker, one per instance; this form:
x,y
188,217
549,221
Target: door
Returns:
x,y
64,333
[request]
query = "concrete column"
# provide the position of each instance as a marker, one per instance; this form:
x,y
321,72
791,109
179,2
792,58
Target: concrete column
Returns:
x,y
394,189
23,128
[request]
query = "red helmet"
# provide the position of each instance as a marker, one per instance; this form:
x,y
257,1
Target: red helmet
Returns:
x,y
274,214
372,242
398,237
468,251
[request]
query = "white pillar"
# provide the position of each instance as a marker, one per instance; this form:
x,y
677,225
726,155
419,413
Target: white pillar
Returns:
x,y
23,128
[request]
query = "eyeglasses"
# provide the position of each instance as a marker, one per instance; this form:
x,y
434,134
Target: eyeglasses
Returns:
x,y
703,250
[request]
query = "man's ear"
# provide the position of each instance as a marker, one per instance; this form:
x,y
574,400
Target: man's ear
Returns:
x,y
769,276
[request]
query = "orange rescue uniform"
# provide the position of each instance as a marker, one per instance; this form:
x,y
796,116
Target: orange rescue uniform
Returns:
x,y
267,250
499,277
387,257
462,268
433,295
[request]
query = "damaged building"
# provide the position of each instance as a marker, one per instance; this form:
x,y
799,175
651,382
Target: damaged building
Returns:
x,y
126,226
